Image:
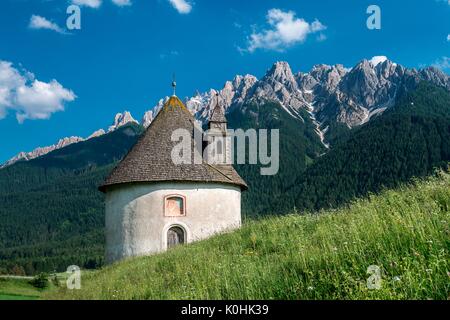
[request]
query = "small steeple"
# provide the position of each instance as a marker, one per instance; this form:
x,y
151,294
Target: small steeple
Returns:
x,y
218,113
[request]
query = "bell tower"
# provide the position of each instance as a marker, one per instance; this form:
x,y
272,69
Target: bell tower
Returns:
x,y
219,142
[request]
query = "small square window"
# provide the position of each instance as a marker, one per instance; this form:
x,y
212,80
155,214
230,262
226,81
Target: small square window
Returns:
x,y
174,206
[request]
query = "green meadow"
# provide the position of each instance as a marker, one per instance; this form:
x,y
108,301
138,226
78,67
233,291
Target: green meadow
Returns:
x,y
18,289
404,233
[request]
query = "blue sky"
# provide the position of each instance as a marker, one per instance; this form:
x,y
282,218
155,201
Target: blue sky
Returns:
x,y
125,54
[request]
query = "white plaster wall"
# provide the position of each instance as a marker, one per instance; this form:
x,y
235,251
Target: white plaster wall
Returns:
x,y
135,221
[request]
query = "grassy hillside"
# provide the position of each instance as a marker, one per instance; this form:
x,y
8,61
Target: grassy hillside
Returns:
x,y
404,231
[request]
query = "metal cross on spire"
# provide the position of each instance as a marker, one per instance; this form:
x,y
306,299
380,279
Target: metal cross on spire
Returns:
x,y
174,85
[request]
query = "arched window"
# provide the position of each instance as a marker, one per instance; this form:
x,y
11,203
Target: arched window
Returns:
x,y
174,206
219,146
175,236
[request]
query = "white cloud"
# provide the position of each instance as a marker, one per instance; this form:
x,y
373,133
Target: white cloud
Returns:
x,y
182,6
95,4
38,22
29,97
88,3
10,79
448,36
443,63
286,30
122,3
378,59
317,26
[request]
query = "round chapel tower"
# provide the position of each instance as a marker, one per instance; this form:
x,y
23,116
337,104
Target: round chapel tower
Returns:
x,y
152,204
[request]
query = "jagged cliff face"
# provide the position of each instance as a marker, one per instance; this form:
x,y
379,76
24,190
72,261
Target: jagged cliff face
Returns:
x,y
121,119
354,96
329,94
361,92
332,93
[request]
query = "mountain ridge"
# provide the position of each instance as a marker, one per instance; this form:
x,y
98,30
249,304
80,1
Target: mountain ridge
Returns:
x,y
330,94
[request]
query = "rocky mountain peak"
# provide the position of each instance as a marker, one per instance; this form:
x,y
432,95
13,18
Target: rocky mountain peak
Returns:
x,y
243,81
388,68
378,65
365,66
327,76
96,134
40,151
68,140
361,78
376,60
280,72
147,118
436,76
121,119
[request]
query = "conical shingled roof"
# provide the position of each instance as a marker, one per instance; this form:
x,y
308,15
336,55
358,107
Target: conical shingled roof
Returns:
x,y
150,158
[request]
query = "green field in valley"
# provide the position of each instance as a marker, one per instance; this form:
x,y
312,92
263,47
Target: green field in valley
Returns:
x,y
18,289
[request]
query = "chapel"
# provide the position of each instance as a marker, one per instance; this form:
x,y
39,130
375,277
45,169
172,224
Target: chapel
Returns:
x,y
153,204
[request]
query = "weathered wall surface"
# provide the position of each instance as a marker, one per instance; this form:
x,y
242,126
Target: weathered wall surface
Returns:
x,y
135,221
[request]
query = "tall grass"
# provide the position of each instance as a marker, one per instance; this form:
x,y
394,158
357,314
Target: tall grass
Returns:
x,y
322,256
